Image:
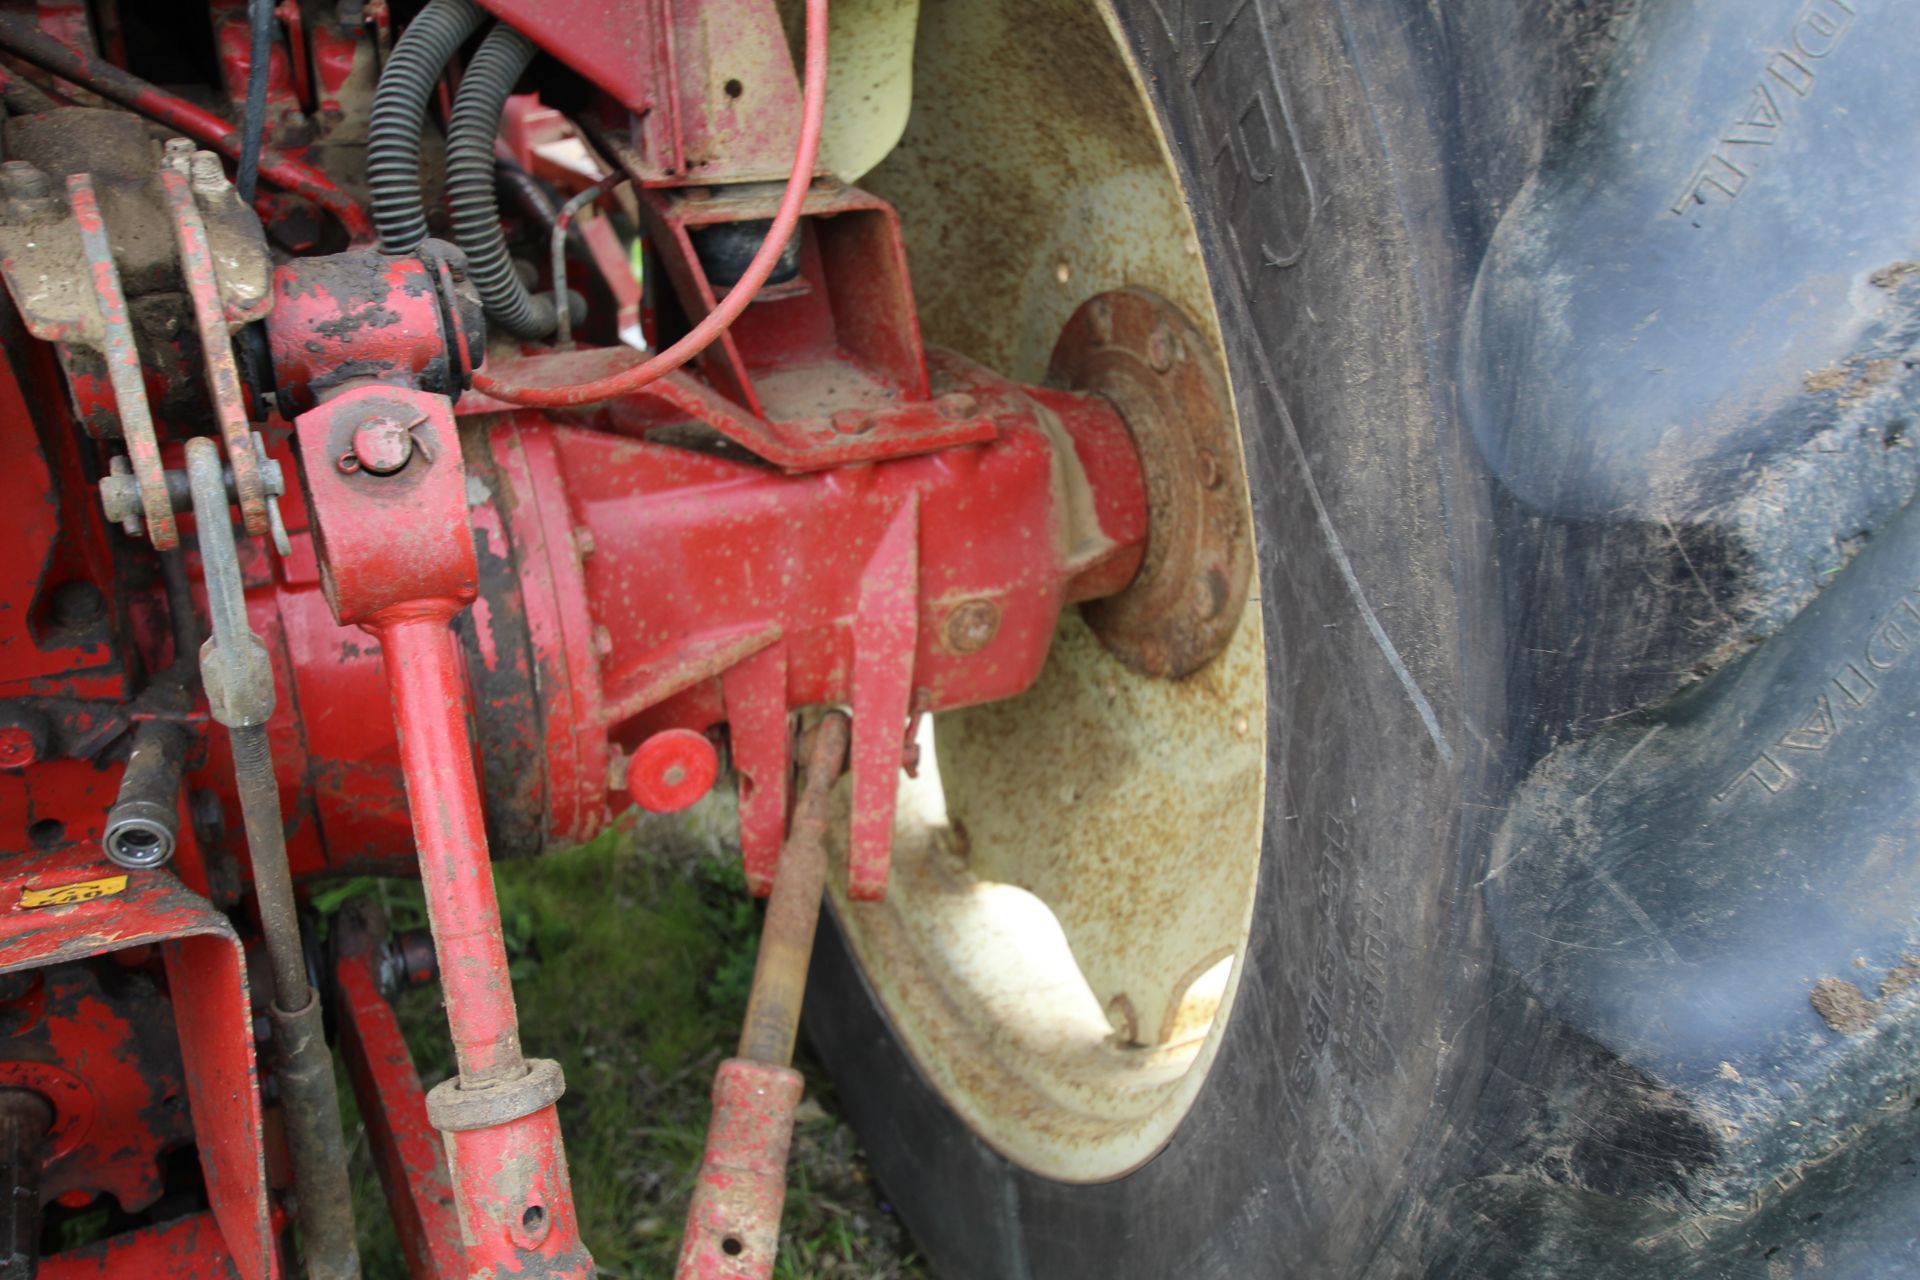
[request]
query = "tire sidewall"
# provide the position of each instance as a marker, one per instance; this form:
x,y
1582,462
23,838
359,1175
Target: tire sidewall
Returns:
x,y
1320,1130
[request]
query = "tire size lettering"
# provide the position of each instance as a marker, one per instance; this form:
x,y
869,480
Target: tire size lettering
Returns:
x,y
1790,72
1252,158
1847,690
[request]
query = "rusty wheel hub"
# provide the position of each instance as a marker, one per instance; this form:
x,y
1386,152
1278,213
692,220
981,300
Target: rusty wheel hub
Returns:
x,y
1141,353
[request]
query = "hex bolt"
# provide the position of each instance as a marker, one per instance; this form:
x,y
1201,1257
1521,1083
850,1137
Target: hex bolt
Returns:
x,y
23,181
17,748
382,445
209,175
179,154
1162,347
971,625
120,495
24,734
955,405
1210,595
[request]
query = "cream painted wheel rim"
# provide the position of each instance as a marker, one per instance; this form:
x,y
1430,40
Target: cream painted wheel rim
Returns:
x,y
1073,885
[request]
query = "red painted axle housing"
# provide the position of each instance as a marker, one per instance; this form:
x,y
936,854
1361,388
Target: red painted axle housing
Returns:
x,y
628,587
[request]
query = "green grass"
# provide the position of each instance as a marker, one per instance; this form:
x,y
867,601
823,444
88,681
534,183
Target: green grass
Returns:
x,y
631,959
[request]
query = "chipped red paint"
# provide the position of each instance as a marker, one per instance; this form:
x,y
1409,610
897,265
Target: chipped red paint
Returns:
x,y
818,589
99,1075
582,644
487,633
21,36
232,45
689,129
885,618
188,1248
361,317
216,345
733,1225
123,363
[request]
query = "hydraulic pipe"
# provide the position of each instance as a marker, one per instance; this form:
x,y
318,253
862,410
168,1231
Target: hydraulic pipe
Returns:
x,y
144,824
239,680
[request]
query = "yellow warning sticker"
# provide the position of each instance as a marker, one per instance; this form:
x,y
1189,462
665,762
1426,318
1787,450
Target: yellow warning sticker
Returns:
x,y
67,894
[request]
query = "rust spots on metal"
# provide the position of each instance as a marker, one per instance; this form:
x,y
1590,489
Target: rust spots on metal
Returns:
x,y
793,912
1138,351
733,1224
123,364
971,626
216,344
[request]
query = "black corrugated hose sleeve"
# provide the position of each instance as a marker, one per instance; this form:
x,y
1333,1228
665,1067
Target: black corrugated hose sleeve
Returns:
x,y
501,59
400,117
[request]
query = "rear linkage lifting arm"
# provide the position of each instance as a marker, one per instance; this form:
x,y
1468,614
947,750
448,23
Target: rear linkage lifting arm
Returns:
x,y
398,560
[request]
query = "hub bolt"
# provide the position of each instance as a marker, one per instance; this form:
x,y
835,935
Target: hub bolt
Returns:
x,y
1162,347
1101,312
1210,595
1209,466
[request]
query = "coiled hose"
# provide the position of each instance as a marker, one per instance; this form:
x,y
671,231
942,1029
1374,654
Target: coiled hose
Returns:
x,y
502,58
400,118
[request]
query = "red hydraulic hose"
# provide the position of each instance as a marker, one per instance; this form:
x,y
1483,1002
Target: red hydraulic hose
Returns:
x,y
20,37
627,381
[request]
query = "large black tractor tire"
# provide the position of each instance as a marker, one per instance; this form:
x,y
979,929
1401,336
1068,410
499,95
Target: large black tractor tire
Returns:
x,y
1577,440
